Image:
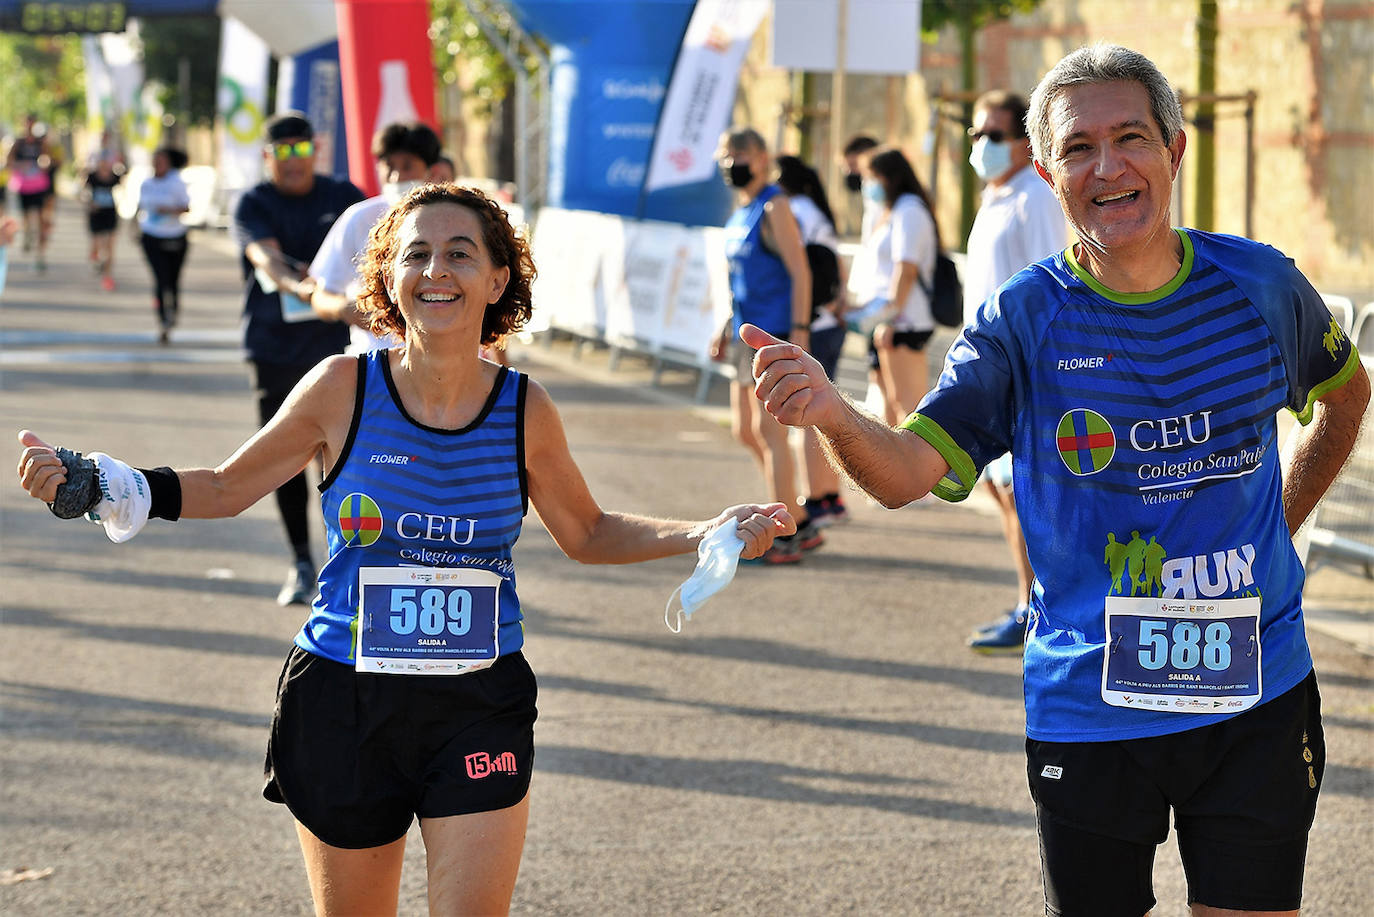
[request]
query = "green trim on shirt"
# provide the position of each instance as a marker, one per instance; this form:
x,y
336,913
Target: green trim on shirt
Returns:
x,y
1352,363
959,462
1136,299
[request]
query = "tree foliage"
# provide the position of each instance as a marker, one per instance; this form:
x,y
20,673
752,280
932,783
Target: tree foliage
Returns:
x,y
974,14
465,55
167,41
44,74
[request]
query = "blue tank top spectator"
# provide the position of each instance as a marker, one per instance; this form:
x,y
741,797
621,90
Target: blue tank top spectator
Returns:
x,y
770,285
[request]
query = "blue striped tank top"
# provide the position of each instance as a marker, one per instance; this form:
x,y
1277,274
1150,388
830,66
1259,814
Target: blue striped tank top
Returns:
x,y
760,286
405,494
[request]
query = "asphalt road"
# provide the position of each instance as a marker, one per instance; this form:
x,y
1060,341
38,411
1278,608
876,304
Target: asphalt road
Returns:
x,y
817,741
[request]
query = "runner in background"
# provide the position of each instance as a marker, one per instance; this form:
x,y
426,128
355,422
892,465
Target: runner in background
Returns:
x,y
162,199
279,225
103,175
405,155
29,161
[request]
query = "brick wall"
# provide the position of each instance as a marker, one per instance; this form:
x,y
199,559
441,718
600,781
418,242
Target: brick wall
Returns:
x,y
1310,62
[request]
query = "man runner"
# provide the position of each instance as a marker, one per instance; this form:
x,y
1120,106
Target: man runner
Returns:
x,y
1135,377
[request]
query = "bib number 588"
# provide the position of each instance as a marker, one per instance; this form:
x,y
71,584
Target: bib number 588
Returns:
x,y
433,611
1187,646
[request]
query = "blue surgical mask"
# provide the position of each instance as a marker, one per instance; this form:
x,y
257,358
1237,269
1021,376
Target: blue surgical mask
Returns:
x,y
990,160
717,557
873,192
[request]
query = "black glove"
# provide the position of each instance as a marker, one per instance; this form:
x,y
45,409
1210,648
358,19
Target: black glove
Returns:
x,y
79,494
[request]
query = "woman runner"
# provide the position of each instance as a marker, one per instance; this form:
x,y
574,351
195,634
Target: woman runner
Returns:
x,y
433,455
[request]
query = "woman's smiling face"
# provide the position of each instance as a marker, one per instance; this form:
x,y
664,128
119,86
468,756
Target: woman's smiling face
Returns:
x,y
443,277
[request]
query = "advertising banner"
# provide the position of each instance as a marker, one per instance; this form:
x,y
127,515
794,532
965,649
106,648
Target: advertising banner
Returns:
x,y
387,73
657,286
100,112
701,93
137,111
241,106
611,61
310,82
881,36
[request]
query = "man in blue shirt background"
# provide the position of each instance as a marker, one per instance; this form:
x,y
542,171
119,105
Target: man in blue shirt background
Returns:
x,y
279,225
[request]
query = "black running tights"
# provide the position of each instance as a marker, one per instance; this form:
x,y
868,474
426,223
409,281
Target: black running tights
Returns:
x,y
275,382
165,258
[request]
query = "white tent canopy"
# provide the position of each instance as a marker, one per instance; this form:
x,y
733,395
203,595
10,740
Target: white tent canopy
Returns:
x,y
287,28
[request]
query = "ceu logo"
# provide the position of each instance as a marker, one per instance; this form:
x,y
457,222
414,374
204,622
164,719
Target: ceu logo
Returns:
x,y
1085,440
360,521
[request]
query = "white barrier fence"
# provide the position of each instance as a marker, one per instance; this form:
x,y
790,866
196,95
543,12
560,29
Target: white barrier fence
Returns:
x,y
656,289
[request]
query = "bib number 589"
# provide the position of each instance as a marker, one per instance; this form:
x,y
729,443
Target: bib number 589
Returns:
x,y
1187,646
433,611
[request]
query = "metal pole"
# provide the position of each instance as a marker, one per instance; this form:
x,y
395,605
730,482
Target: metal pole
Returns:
x,y
522,152
1249,163
937,114
837,95
183,99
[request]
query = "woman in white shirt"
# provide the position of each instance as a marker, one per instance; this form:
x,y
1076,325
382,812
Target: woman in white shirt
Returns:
x,y
901,247
162,199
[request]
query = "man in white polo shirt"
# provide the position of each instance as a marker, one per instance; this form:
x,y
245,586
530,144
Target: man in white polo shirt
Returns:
x,y
1019,222
407,155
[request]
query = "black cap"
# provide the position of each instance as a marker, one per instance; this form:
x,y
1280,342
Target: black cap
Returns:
x,y
287,124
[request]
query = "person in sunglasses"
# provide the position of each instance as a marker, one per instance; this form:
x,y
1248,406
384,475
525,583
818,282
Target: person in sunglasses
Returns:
x,y
1019,222
279,225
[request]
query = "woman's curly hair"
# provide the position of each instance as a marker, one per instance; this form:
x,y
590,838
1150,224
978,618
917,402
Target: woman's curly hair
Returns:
x,y
505,246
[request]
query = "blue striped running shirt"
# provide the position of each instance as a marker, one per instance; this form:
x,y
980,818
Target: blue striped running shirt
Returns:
x,y
405,494
1145,455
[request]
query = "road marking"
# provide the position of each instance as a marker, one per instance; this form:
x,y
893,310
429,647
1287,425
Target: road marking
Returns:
x,y
49,348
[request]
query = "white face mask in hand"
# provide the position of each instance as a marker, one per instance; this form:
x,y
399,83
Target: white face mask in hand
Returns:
x,y
717,557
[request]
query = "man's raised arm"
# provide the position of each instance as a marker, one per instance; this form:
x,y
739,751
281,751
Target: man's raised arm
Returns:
x,y
894,466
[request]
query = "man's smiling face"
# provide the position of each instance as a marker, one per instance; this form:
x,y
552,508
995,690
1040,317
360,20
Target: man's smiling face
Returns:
x,y
1109,165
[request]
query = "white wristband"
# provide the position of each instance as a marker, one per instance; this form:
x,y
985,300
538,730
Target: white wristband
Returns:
x,y
124,498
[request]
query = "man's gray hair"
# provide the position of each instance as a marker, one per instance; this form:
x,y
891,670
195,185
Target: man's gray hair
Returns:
x,y
1101,63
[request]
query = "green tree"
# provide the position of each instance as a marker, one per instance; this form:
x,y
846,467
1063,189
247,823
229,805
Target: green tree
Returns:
x,y
168,41
967,17
462,49
45,75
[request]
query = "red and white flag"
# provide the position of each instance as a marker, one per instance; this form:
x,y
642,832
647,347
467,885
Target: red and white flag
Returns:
x,y
701,92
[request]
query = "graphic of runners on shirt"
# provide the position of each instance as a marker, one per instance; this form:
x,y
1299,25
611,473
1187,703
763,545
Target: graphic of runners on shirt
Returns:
x,y
1150,572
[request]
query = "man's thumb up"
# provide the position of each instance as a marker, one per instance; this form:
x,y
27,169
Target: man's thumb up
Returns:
x,y
756,337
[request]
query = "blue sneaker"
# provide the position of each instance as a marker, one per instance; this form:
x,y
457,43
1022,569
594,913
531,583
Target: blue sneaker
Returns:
x,y
982,630
1008,636
826,511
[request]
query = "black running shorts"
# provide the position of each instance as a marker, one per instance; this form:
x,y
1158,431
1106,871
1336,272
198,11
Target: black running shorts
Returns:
x,y
1243,793
32,201
106,219
911,340
357,756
